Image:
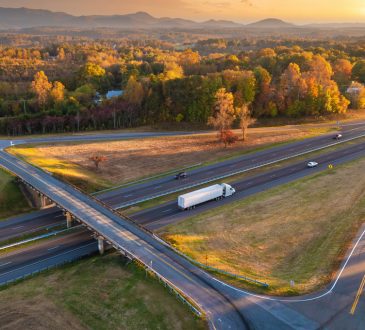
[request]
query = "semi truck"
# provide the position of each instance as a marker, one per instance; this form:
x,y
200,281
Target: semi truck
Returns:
x,y
192,199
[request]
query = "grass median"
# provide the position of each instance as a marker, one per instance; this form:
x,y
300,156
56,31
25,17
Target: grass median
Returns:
x,y
12,201
96,293
297,232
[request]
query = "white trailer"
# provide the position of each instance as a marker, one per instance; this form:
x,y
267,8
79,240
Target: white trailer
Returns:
x,y
192,199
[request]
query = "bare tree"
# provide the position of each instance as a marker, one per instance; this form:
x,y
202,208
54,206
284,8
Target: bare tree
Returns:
x,y
97,159
244,115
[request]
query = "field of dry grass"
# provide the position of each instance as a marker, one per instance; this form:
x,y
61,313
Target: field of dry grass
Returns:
x,y
96,293
133,159
296,232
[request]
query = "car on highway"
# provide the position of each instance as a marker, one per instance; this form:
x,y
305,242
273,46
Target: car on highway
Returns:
x,y
312,164
337,136
181,175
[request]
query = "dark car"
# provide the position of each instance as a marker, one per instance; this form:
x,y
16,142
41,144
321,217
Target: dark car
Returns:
x,y
181,175
337,136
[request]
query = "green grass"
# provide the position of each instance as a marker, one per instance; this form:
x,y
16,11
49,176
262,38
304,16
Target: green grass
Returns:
x,y
96,293
298,231
12,200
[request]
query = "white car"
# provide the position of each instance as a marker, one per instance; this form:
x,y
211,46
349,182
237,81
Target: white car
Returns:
x,y
312,164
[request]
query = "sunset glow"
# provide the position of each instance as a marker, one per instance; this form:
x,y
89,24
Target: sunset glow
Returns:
x,y
300,11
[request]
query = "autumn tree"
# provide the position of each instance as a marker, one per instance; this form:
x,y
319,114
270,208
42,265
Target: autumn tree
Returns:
x,y
263,91
97,160
342,72
224,112
134,91
41,87
57,92
243,113
228,137
358,71
320,69
172,70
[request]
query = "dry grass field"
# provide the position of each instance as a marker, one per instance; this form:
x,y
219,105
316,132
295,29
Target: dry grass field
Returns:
x,y
133,159
96,293
296,232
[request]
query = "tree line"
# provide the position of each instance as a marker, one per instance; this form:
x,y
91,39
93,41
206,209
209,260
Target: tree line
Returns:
x,y
165,85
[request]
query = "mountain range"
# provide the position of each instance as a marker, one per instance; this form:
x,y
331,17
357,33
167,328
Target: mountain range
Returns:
x,y
19,18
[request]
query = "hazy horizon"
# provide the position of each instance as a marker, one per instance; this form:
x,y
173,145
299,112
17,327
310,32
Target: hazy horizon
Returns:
x,y
242,11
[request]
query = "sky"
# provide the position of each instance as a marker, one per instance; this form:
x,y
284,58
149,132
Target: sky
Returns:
x,y
296,11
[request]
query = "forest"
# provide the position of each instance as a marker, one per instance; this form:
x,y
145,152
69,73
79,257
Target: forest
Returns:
x,y
58,84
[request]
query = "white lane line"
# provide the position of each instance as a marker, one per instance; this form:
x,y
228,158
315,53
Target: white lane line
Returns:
x,y
53,248
7,263
166,211
157,187
59,216
126,196
15,228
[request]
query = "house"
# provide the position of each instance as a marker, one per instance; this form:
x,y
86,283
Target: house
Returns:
x,y
114,93
355,88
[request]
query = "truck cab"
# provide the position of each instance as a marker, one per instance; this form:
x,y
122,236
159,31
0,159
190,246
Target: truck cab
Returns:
x,y
227,190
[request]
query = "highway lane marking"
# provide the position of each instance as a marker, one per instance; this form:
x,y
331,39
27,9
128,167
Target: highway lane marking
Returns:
x,y
7,263
157,187
15,228
166,211
358,294
53,248
130,195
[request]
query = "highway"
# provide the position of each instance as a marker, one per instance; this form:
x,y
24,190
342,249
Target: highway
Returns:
x,y
164,214
330,311
158,187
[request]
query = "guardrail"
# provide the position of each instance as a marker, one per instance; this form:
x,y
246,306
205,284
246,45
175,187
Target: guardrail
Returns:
x,y
190,302
37,238
138,201
217,270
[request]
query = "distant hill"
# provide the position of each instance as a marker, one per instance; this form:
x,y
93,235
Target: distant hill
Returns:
x,y
15,18
271,23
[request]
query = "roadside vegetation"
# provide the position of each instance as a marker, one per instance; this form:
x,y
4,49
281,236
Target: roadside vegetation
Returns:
x,y
129,160
12,200
297,232
96,293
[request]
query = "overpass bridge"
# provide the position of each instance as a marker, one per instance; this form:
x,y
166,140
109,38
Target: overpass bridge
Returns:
x,y
132,241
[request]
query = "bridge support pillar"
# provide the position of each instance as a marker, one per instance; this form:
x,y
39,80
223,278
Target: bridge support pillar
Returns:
x,y
44,201
69,219
101,245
